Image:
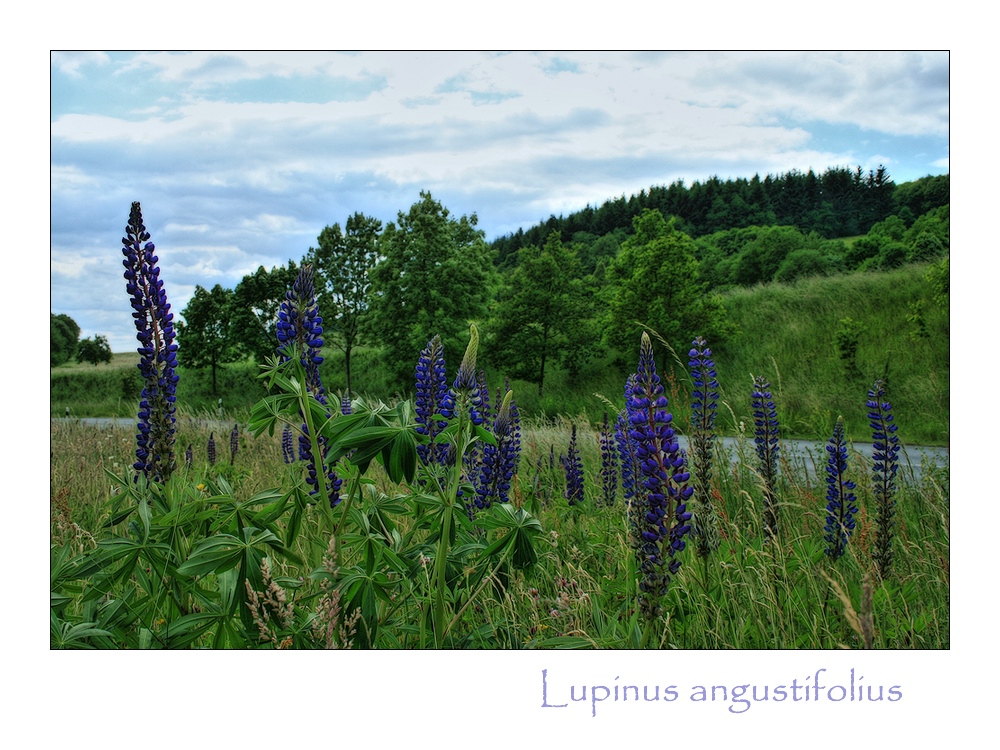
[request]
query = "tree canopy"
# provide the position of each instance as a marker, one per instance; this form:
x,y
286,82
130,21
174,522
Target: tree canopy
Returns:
x,y
343,261
64,334
434,278
255,305
206,336
94,350
655,282
540,313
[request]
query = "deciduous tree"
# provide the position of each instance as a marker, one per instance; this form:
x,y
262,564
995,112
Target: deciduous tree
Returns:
x,y
343,263
256,301
205,337
94,350
434,278
540,313
654,281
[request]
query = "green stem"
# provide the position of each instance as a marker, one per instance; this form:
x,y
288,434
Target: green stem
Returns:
x,y
351,494
441,563
486,580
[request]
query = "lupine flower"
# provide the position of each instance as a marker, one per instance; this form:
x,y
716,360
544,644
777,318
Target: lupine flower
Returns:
x,y
499,461
631,473
158,353
345,404
189,456
300,334
765,419
573,467
840,507
885,462
287,448
432,397
609,463
472,461
704,396
300,329
664,495
465,389
234,443
211,449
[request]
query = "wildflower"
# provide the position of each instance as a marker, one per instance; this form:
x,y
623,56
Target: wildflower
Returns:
x,y
300,335
573,467
609,463
300,329
211,449
345,404
189,456
234,443
840,507
158,353
885,462
465,390
499,461
703,408
432,398
287,450
662,501
631,473
765,419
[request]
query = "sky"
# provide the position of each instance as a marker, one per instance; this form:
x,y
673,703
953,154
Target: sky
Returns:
x,y
240,159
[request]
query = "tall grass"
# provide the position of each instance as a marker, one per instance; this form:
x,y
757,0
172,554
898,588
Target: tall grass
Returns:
x,y
748,594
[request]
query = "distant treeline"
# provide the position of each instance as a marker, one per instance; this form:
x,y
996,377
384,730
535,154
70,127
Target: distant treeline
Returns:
x,y
841,202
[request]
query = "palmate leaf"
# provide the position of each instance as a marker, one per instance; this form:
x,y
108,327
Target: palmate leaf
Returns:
x,y
521,529
224,551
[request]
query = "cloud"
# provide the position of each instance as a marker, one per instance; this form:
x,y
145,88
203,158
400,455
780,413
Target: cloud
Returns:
x,y
70,63
240,159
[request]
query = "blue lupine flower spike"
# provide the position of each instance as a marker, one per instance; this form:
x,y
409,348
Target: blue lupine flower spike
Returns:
x,y
432,399
766,434
704,398
662,515
157,352
841,501
300,334
609,463
573,467
885,463
498,463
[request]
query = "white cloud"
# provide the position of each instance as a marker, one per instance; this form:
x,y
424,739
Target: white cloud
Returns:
x,y
71,62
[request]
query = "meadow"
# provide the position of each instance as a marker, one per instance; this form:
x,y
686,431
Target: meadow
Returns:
x,y
377,589
469,517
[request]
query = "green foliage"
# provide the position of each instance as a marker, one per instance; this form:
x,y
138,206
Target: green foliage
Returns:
x,y
541,314
938,277
926,247
847,337
207,335
343,263
94,350
435,277
255,304
655,283
805,262
63,336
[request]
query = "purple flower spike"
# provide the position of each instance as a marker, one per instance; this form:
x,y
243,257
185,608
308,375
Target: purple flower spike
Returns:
x,y
660,507
157,352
